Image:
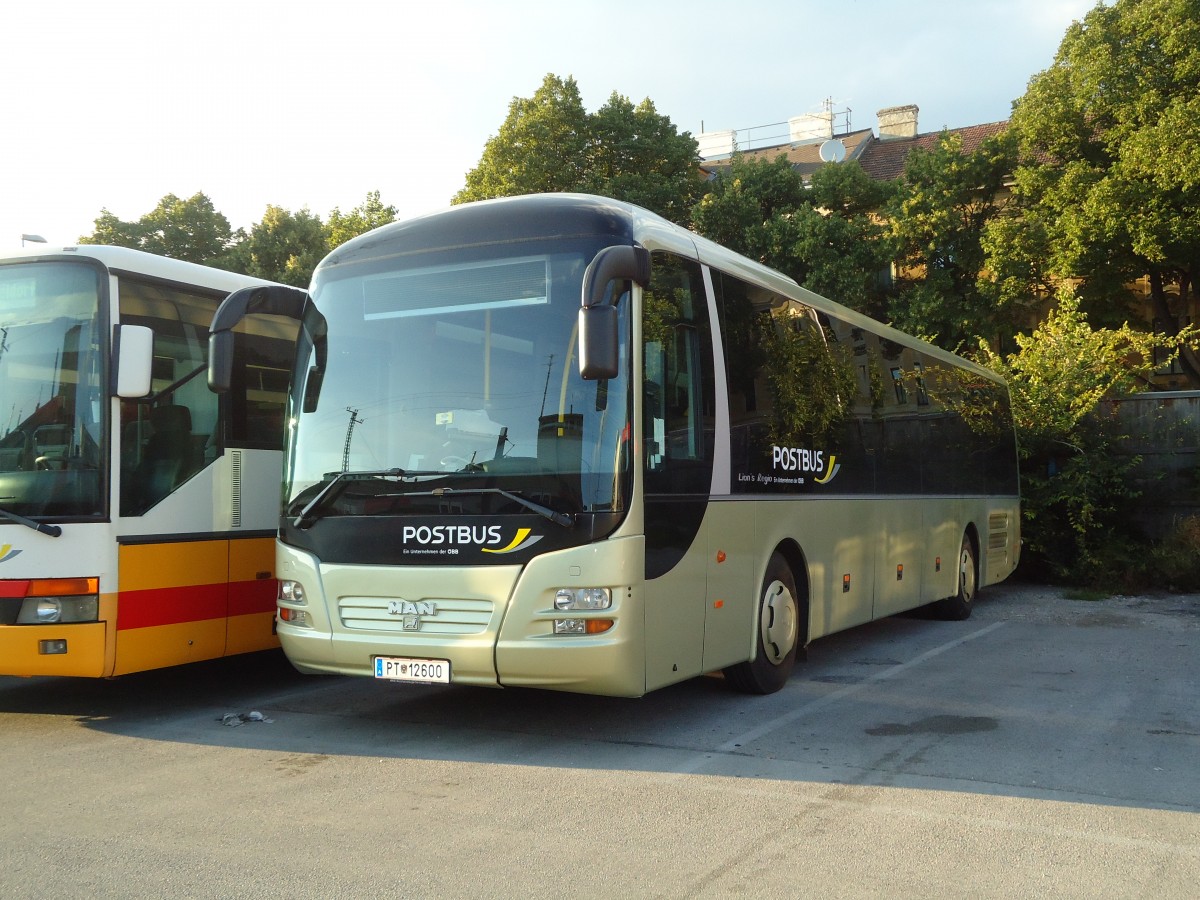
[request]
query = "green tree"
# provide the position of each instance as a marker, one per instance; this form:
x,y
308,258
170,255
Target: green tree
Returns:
x,y
826,235
541,146
550,143
938,218
114,232
368,215
1108,187
843,241
283,246
747,206
1077,497
638,155
190,229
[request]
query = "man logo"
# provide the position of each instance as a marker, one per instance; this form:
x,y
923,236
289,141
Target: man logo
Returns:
x,y
410,613
408,608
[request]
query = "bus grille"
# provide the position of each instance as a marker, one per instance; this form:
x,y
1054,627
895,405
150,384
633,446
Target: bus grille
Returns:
x,y
450,616
235,484
997,532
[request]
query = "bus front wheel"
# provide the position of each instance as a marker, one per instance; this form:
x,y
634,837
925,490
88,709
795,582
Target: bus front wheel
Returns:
x,y
777,634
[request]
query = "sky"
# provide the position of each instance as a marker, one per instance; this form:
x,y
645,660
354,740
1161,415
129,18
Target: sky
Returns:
x,y
113,104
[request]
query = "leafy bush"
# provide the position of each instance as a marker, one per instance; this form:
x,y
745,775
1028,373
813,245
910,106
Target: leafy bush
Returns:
x,y
1175,562
1078,491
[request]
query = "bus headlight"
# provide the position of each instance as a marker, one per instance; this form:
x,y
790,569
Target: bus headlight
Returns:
x,y
292,592
55,601
58,610
583,598
291,595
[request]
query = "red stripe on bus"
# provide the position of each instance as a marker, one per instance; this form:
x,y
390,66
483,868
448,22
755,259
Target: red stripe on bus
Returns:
x,y
170,606
193,603
10,589
247,597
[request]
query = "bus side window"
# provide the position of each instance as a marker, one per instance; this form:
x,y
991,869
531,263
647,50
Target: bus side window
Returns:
x,y
678,379
163,438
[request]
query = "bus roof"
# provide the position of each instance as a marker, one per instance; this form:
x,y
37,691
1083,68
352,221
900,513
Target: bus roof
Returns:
x,y
138,261
531,216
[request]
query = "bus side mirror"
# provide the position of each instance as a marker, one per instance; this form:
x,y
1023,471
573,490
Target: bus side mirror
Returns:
x,y
135,358
220,361
598,349
270,299
598,322
619,263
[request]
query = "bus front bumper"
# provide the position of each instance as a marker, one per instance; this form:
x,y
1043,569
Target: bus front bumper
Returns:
x,y
76,649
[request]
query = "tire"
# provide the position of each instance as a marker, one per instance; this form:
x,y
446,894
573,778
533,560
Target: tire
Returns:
x,y
777,634
959,606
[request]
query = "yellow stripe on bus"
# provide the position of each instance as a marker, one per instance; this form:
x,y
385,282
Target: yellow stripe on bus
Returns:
x,y
251,559
140,649
148,566
254,631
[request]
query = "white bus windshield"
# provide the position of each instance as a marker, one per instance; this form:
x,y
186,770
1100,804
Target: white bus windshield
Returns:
x,y
52,416
464,374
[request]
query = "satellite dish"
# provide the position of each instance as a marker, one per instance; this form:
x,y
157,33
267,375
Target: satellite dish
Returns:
x,y
832,150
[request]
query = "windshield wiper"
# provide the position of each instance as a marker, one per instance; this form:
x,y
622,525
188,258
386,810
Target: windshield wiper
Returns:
x,y
557,518
49,530
308,515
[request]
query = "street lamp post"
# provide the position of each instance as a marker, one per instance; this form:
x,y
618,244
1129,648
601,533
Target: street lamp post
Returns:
x,y
32,238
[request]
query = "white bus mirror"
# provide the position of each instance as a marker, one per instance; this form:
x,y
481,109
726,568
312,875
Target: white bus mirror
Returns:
x,y
135,357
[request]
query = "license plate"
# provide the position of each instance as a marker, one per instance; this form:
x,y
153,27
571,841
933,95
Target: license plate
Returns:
x,y
422,671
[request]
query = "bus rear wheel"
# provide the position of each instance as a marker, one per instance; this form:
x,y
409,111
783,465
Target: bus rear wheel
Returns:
x,y
959,606
778,632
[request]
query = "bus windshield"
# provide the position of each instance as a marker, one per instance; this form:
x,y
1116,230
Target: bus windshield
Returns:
x,y
459,369
53,421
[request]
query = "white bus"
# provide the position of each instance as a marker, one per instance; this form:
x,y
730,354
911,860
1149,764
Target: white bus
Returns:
x,y
556,441
137,510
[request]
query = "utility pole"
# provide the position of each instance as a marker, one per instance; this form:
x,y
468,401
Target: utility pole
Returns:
x,y
354,420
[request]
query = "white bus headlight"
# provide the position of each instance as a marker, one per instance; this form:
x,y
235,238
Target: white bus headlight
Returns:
x,y
292,592
583,598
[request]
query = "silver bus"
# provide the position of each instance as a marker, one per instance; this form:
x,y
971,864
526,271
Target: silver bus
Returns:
x,y
556,441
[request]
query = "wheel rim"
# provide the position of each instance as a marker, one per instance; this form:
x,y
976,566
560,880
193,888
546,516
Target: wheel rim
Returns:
x,y
966,575
778,622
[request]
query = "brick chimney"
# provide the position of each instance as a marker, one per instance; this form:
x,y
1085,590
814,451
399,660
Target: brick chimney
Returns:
x,y
897,122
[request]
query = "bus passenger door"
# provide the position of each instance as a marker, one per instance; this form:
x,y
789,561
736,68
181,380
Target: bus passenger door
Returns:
x,y
677,442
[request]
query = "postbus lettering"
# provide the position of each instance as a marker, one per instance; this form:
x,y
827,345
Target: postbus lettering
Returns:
x,y
452,534
797,459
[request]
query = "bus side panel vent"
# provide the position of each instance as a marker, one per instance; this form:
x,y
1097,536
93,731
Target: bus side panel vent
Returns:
x,y
235,487
998,549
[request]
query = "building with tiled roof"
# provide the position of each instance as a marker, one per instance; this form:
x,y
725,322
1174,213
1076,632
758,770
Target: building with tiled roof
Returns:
x,y
884,160
814,140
